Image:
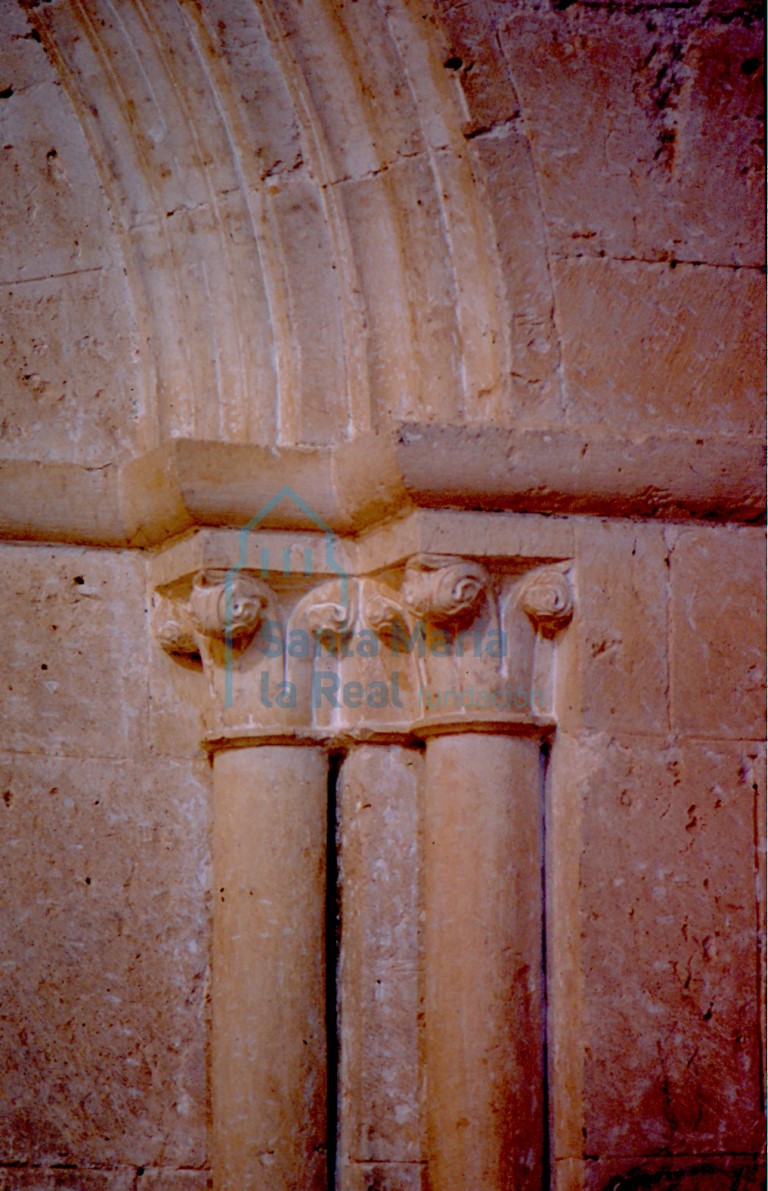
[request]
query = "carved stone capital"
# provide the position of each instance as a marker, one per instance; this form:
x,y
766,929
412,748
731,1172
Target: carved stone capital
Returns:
x,y
435,643
226,605
174,628
330,613
444,590
547,598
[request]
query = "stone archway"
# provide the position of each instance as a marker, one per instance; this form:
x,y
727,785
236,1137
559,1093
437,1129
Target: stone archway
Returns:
x,y
482,284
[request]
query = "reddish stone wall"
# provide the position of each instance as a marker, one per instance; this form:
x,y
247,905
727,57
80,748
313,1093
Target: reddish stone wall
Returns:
x,y
658,862
533,233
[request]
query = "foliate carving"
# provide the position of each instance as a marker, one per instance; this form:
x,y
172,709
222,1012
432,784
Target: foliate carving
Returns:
x,y
446,646
547,599
224,605
384,613
444,589
173,628
331,618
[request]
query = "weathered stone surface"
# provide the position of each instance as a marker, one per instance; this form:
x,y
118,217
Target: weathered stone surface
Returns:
x,y
503,164
68,377
616,676
645,130
483,963
174,1180
389,1176
105,961
54,219
268,1062
76,662
381,1078
647,361
451,255
731,1172
473,56
67,394
76,1179
717,659
667,916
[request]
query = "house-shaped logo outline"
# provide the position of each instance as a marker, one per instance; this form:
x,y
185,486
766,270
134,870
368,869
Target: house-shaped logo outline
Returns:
x,y
286,492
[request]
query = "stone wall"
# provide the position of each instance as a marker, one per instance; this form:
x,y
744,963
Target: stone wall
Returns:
x,y
658,871
106,891
482,280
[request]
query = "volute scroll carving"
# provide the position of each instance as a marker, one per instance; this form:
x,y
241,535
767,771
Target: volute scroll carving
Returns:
x,y
445,645
173,628
221,606
330,614
226,606
547,599
444,589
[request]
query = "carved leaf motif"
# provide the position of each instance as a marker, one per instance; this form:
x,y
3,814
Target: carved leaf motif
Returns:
x,y
442,588
384,614
332,620
226,605
548,600
173,628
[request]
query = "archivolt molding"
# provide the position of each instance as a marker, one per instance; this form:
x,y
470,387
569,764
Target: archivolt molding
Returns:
x,y
265,163
433,643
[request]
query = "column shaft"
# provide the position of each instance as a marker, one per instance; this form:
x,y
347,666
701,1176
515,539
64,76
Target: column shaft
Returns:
x,y
381,1075
269,1036
483,961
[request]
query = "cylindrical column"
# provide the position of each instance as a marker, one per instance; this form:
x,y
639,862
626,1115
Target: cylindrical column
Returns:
x,y
269,1036
483,961
380,1077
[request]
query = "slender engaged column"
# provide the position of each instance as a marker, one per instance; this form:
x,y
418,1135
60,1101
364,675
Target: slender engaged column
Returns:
x,y
484,1003
380,1076
430,653
269,1037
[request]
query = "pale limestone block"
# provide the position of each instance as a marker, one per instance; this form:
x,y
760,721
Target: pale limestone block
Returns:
x,y
615,668
253,88
720,160
502,163
371,211
150,150
565,973
315,303
483,962
52,206
669,348
104,961
269,978
77,653
718,622
427,264
176,709
71,391
322,59
381,1079
225,390
667,915
389,115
